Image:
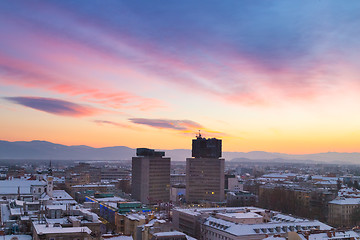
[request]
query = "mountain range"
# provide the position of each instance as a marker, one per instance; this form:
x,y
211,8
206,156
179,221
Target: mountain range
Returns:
x,y
44,150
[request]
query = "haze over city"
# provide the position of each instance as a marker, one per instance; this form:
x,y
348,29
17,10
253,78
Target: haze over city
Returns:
x,y
276,76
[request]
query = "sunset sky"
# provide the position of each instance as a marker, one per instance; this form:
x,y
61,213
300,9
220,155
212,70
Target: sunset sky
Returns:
x,y
277,76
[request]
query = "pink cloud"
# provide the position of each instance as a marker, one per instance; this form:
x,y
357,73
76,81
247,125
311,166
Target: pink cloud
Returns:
x,y
116,124
222,72
30,76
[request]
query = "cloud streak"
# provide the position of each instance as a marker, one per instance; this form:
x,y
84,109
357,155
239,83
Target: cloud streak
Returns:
x,y
186,127
54,106
112,123
167,124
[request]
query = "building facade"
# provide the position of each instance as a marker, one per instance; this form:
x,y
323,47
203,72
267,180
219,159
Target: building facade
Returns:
x,y
205,171
150,176
341,212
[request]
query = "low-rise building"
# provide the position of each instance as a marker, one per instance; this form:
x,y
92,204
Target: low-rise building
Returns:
x,y
341,211
49,232
239,223
22,189
240,199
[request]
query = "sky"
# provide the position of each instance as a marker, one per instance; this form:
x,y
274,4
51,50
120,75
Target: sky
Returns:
x,y
277,76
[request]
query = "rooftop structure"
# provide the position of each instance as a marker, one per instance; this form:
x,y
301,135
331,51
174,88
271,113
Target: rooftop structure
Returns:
x,y
146,152
206,148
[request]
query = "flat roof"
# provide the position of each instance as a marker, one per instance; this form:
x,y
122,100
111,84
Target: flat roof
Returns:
x,y
245,215
43,229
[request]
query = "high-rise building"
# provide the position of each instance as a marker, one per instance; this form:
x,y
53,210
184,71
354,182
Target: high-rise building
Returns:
x,y
150,176
205,171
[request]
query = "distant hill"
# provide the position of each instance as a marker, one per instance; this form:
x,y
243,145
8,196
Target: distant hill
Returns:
x,y
46,150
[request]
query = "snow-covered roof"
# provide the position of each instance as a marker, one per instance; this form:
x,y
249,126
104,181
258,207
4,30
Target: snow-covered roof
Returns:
x,y
55,207
58,195
19,237
324,178
279,175
15,212
274,238
44,229
285,218
241,215
173,233
93,185
262,228
345,201
111,199
135,216
331,236
12,186
108,237
198,211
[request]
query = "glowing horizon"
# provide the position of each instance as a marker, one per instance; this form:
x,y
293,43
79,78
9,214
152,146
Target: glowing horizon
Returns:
x,y
263,76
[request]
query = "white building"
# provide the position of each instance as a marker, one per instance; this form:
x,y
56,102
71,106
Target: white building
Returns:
x,y
239,223
22,189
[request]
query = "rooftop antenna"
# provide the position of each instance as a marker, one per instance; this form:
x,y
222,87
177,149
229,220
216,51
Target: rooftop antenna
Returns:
x,y
199,136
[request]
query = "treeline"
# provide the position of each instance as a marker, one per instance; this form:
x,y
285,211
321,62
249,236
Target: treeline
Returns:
x,y
307,204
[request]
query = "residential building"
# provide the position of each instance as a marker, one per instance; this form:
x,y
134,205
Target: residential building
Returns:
x,y
341,212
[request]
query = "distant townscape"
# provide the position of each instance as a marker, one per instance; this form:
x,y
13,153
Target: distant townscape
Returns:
x,y
43,150
153,197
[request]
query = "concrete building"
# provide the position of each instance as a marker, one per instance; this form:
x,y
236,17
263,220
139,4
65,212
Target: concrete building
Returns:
x,y
239,223
150,176
205,171
235,184
113,173
177,178
341,211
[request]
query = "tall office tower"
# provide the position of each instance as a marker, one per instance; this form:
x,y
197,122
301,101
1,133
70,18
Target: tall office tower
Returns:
x,y
150,176
205,171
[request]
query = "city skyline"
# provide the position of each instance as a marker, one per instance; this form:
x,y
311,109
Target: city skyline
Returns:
x,y
262,76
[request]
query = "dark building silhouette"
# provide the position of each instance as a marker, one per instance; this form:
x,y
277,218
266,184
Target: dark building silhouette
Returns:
x,y
206,148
